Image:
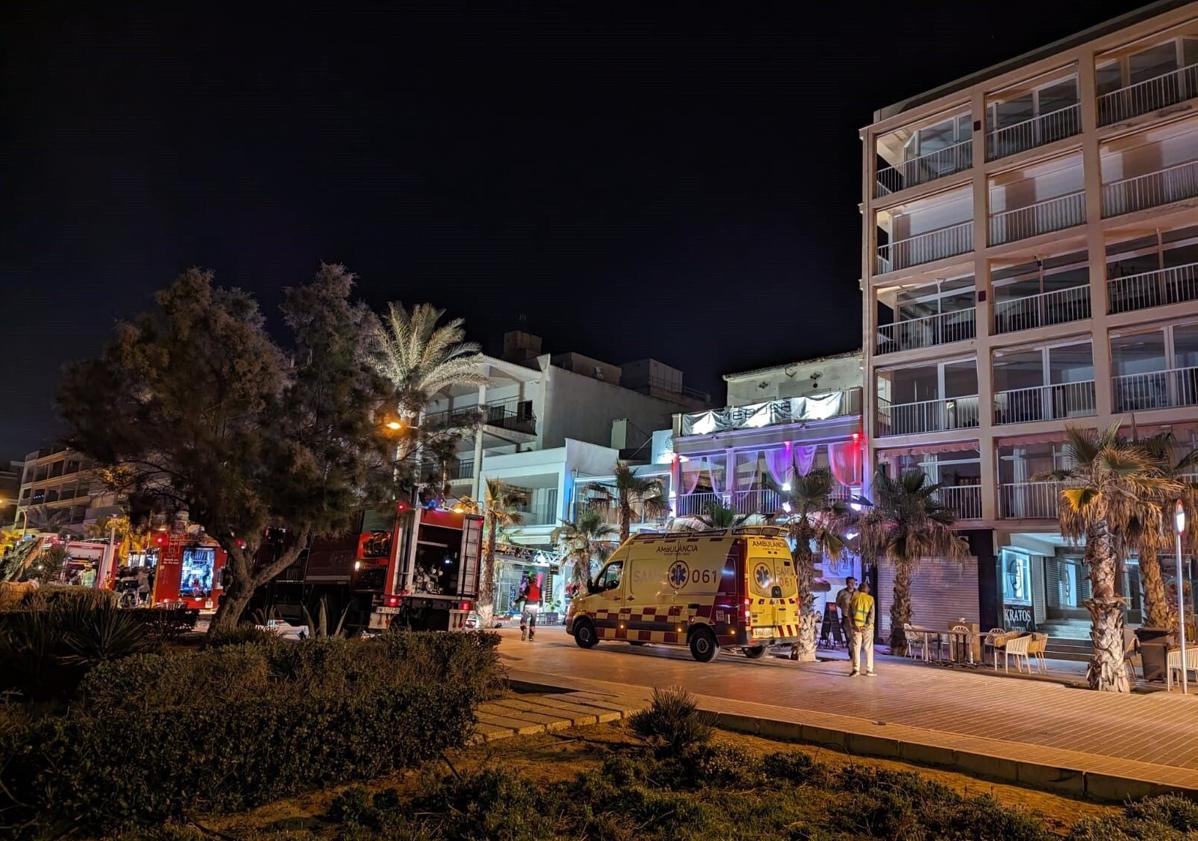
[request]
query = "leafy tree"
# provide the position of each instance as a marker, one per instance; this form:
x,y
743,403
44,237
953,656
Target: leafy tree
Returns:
x,y
904,525
585,540
195,405
1112,487
816,524
501,506
632,490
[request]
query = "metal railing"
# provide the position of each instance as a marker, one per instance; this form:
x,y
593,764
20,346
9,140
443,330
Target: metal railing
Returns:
x,y
1149,95
610,512
692,505
964,500
1033,132
1045,402
1042,309
462,468
770,413
1164,186
1040,218
925,248
1165,389
1153,289
1029,500
506,414
925,168
759,501
927,415
930,330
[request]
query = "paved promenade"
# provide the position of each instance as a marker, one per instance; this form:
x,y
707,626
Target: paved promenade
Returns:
x,y
972,720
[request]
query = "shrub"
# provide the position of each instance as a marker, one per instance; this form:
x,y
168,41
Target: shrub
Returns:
x,y
787,767
241,635
673,723
53,595
1164,818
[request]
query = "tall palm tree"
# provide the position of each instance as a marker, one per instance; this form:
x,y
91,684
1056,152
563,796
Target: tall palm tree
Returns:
x,y
1113,487
904,525
719,516
644,491
816,524
501,504
585,540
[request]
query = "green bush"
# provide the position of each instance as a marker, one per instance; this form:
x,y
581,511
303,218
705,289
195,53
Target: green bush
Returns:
x,y
1168,817
787,767
62,595
241,635
673,723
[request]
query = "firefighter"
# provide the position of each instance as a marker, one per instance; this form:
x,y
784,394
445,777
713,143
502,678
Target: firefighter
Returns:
x,y
530,594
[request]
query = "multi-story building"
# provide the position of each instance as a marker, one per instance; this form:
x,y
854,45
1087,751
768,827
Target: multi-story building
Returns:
x,y
60,492
1030,261
10,489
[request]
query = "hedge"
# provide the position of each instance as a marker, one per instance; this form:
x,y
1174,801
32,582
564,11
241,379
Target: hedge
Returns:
x,y
158,737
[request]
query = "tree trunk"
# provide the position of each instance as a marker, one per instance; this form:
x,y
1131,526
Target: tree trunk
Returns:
x,y
1106,671
804,562
246,580
232,604
900,608
486,582
1160,613
625,509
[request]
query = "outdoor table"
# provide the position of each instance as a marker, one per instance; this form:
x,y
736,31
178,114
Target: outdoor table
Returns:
x,y
964,639
926,633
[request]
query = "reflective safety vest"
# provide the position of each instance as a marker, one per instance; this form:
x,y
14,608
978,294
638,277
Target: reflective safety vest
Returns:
x,y
862,608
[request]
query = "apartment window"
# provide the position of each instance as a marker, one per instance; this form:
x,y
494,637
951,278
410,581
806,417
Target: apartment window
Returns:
x,y
928,398
51,496
1044,383
72,466
25,494
43,473
56,469
1152,271
959,474
928,315
1054,290
1155,369
1147,80
1026,119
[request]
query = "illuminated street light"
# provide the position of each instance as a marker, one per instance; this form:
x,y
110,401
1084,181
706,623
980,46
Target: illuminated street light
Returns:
x,y
394,425
1179,521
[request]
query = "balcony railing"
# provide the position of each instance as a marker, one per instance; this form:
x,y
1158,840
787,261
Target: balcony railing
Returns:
x,y
926,248
692,505
1148,96
925,168
930,330
756,502
514,415
1045,402
1156,390
1175,183
1029,500
1043,309
1040,218
964,500
773,412
609,511
461,469
927,415
1033,132
1153,289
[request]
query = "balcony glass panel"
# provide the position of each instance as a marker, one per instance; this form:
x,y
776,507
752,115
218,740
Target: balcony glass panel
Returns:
x,y
1045,383
1055,290
1026,490
1150,169
924,316
1026,118
959,475
1153,271
925,231
909,157
929,398
1036,200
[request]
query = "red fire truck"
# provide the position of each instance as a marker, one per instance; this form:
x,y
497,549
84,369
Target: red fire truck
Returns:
x,y
410,566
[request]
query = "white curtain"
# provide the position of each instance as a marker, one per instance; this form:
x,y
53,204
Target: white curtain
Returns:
x,y
822,406
804,456
780,463
689,478
717,467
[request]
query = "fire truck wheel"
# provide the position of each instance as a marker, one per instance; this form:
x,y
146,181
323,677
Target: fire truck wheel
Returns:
x,y
703,644
584,634
754,652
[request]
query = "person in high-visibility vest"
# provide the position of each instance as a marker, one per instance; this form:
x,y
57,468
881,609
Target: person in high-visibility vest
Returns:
x,y
531,596
861,616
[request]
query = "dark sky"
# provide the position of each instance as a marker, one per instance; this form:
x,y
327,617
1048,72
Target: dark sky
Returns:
x,y
676,180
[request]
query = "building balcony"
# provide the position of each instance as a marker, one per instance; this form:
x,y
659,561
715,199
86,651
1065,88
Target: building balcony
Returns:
x,y
928,331
1148,96
461,469
1167,389
927,415
1173,285
1043,217
513,415
1046,402
926,248
964,500
1037,131
1175,183
772,413
1045,309
1028,500
925,168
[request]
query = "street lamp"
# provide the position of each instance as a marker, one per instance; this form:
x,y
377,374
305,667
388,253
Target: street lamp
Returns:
x,y
1179,520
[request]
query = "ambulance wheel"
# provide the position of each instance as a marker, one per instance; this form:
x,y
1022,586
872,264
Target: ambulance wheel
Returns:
x,y
704,647
754,652
584,634
636,642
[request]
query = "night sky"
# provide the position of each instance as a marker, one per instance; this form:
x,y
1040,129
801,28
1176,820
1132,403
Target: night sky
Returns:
x,y
676,180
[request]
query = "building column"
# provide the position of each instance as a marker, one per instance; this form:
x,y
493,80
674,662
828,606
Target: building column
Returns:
x,y
476,481
982,314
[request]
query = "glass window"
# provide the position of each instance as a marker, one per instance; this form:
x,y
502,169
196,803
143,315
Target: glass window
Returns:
x,y
939,136
1018,369
1189,51
1139,353
960,378
1058,95
1108,77
609,578
1185,346
1013,111
1070,364
1152,62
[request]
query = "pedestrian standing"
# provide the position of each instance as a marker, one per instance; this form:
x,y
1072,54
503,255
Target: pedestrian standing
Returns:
x,y
861,613
531,596
843,597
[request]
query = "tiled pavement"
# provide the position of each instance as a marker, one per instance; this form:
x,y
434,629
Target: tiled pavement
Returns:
x,y
528,713
941,716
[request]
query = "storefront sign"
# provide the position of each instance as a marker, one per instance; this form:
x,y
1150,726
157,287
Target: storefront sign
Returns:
x,y
1018,618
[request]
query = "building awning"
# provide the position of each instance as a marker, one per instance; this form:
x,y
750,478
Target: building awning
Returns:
x,y
928,449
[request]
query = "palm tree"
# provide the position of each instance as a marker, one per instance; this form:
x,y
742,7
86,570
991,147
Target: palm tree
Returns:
x,y
1158,607
501,502
1113,487
816,523
645,491
719,516
585,540
904,525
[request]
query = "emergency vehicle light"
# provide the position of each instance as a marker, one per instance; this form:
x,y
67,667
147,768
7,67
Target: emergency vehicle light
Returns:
x,y
392,601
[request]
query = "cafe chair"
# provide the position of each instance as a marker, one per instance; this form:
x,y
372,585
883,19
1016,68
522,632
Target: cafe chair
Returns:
x,y
1017,648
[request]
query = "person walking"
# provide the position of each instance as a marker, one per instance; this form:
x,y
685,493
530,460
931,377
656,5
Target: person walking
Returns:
x,y
861,614
531,596
843,597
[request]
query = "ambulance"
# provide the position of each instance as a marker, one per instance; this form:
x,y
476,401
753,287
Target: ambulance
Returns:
x,y
708,590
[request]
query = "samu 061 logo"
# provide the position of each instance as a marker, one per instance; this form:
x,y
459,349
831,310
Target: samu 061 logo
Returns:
x,y
678,574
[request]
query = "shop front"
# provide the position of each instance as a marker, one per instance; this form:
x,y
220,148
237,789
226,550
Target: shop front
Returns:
x,y
515,565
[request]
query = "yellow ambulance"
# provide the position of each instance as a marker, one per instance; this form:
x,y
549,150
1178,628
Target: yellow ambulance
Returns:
x,y
722,588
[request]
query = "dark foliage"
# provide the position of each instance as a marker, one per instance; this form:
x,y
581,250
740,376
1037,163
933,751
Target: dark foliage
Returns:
x,y
672,723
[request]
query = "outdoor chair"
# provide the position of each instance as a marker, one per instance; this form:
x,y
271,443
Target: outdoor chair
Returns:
x,y
995,639
1173,664
963,637
914,636
1017,648
1038,649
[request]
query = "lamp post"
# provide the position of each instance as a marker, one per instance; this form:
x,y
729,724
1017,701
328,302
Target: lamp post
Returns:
x,y
1179,520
